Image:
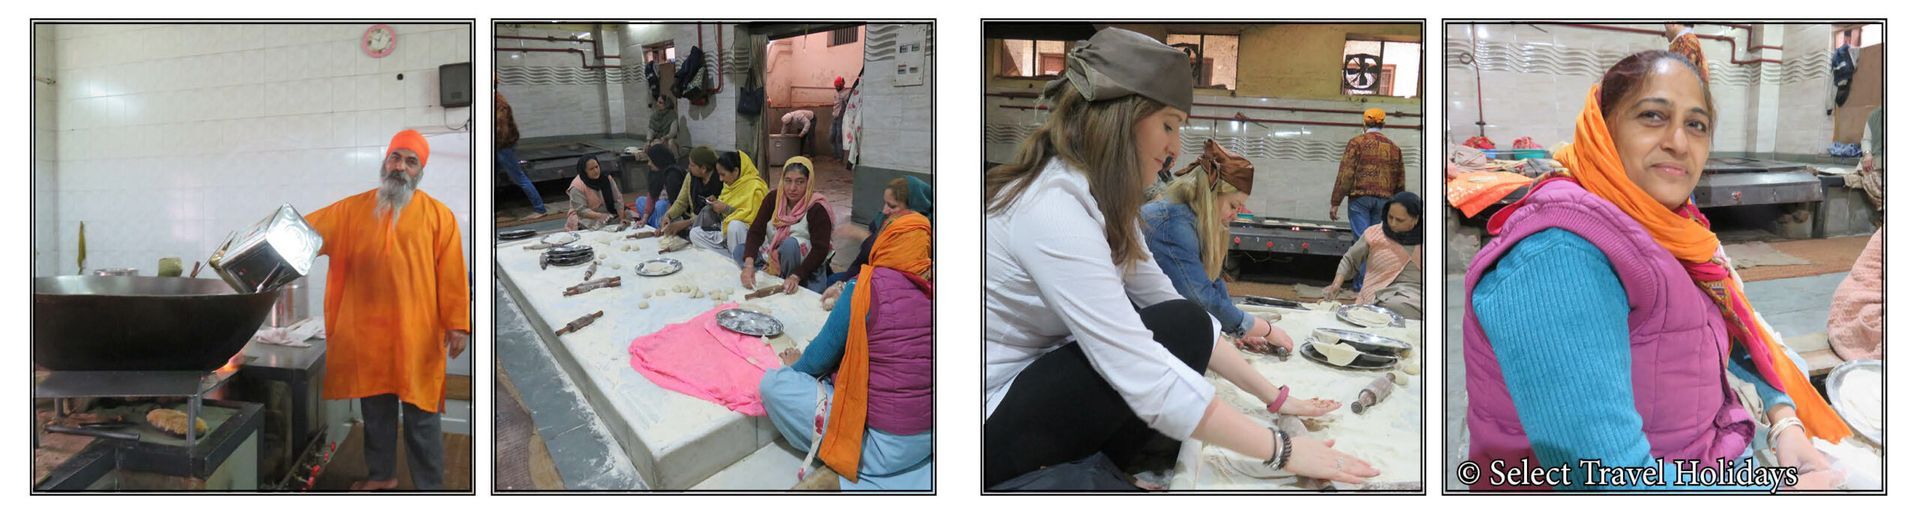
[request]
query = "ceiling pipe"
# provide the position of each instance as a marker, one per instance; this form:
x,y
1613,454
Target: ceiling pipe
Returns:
x,y
598,51
582,53
1750,46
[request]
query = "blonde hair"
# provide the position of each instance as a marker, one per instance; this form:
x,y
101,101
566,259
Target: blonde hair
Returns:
x,y
1194,191
1097,139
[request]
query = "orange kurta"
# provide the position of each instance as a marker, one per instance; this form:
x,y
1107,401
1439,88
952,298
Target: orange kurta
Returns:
x,y
393,292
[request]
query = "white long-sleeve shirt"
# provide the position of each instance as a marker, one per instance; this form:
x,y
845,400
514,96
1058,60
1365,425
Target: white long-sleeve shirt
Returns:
x,y
1050,280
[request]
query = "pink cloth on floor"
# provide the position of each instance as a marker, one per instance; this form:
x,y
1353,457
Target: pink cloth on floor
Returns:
x,y
1857,320
702,360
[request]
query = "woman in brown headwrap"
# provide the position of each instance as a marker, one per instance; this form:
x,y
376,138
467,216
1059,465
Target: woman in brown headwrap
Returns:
x,y
1186,230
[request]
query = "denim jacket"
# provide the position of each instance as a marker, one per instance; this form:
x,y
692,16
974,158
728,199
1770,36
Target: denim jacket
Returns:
x,y
1176,248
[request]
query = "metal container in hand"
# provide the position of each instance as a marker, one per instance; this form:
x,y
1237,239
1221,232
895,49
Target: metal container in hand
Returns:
x,y
290,304
273,252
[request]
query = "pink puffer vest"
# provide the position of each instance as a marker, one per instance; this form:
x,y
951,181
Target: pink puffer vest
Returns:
x,y
1679,342
900,355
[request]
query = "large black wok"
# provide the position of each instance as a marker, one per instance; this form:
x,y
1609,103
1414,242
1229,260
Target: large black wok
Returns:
x,y
83,323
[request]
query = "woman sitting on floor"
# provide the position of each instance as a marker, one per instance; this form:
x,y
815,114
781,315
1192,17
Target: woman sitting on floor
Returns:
x,y
878,346
593,199
737,205
1390,252
791,234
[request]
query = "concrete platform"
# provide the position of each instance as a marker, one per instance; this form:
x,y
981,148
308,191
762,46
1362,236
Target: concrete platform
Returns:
x,y
579,446
675,441
771,464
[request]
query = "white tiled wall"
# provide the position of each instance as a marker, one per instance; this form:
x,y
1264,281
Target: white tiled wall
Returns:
x,y
1295,163
165,138
1534,79
46,179
552,94
897,121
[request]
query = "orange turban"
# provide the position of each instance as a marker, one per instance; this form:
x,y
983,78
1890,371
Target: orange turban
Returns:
x,y
1374,116
408,139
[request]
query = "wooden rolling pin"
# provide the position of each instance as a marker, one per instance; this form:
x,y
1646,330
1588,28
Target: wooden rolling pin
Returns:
x,y
591,267
764,292
578,324
592,285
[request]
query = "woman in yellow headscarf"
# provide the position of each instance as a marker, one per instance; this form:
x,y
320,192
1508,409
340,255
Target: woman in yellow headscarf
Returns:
x,y
873,425
739,202
1598,323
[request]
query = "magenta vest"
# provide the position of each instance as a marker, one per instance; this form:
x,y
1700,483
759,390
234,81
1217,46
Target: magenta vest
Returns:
x,y
1678,339
900,355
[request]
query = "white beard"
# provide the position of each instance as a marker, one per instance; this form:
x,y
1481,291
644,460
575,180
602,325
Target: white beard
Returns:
x,y
394,194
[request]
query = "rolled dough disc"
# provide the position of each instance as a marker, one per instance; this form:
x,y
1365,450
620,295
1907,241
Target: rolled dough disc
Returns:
x,y
1338,354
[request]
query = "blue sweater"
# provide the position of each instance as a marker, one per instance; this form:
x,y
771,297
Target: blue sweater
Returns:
x,y
1556,316
1176,248
822,355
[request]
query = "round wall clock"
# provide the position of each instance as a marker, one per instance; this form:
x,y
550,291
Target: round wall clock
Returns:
x,y
379,41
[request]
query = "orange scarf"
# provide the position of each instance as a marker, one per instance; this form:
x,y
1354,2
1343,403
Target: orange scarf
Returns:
x,y
1593,161
905,245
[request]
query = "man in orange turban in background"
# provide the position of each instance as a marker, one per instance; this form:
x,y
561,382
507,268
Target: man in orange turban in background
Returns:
x,y
397,308
1370,172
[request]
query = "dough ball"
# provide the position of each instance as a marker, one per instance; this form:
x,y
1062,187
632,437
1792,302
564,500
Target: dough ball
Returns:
x,y
718,295
615,265
660,292
1398,379
1410,366
643,304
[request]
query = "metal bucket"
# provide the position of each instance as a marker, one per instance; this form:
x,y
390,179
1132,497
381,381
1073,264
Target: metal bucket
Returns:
x,y
141,323
290,304
780,148
273,252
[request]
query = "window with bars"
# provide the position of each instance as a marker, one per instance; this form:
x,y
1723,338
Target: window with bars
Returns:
x,y
1372,67
845,36
1032,58
1215,58
659,52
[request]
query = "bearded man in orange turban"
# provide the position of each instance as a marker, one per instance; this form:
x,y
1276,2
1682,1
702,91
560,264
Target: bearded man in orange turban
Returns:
x,y
397,307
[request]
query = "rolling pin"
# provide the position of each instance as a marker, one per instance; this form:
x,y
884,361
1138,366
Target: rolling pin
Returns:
x,y
765,292
583,287
592,267
576,325
1373,394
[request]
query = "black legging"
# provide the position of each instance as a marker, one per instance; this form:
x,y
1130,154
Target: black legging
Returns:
x,y
1059,409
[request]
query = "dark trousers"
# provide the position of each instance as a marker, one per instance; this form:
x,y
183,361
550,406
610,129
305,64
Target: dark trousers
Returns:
x,y
426,458
1060,410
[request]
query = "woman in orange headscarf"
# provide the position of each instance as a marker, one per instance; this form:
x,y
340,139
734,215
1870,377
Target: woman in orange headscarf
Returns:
x,y
1598,323
873,424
